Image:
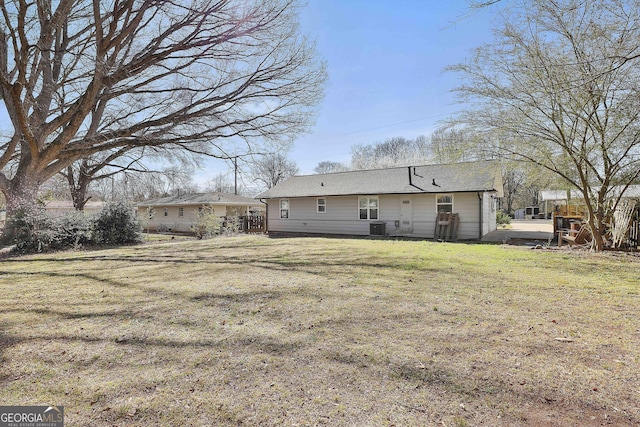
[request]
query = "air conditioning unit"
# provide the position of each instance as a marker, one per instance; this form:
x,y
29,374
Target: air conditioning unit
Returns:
x,y
377,228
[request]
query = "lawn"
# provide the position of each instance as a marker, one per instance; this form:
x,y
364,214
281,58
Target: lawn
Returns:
x,y
257,331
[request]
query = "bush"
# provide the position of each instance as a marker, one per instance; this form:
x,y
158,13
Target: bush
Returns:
x,y
503,218
71,230
117,224
207,224
29,230
231,226
37,231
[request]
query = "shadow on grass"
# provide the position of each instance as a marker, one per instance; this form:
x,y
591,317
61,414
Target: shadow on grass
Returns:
x,y
299,262
6,341
74,316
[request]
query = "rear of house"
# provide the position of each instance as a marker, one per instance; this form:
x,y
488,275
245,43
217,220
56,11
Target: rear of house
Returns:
x,y
403,201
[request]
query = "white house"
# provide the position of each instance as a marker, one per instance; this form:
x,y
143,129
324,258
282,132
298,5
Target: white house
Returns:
x,y
400,201
177,213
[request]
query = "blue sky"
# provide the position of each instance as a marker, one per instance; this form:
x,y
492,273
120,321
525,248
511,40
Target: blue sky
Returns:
x,y
385,62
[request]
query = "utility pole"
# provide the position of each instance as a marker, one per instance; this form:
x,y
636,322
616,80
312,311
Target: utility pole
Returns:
x,y
235,175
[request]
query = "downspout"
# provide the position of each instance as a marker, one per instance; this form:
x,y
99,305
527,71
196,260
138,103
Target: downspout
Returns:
x,y
480,216
266,216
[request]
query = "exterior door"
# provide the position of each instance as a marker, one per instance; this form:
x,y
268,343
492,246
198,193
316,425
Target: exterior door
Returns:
x,y
406,214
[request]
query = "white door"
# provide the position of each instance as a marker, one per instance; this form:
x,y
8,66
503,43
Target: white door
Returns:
x,y
406,215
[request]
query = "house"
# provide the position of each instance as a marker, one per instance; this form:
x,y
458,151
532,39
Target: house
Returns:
x,y
177,213
400,201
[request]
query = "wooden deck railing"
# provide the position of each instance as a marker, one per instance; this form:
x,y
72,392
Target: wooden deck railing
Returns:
x,y
254,224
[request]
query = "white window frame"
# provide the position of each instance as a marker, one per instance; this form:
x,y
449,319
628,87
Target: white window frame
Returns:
x,y
283,209
438,203
369,207
321,207
180,212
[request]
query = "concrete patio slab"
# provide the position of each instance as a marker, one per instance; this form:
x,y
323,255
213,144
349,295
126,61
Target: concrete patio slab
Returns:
x,y
523,229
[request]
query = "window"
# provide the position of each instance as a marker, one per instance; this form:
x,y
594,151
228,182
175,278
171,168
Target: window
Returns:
x,y
166,211
284,208
368,207
322,205
444,203
180,212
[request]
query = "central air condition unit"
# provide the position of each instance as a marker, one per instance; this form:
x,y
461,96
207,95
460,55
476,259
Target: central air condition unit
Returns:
x,y
377,228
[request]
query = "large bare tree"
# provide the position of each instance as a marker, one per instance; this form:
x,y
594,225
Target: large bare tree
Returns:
x,y
80,77
272,168
329,166
397,151
85,173
559,87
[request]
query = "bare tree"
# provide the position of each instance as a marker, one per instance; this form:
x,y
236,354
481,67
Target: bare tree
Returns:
x,y
396,151
132,185
270,169
81,77
81,174
220,184
560,87
329,166
455,144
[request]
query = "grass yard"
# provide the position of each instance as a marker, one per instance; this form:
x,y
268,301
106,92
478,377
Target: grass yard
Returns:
x,y
257,331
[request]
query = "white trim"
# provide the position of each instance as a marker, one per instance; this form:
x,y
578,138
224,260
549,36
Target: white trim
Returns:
x,y
445,195
368,208
281,209
323,205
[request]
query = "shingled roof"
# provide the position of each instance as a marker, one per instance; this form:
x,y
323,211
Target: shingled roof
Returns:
x,y
450,178
201,199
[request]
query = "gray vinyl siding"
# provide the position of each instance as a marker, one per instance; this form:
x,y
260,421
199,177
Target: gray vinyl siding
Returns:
x,y
467,205
464,204
341,216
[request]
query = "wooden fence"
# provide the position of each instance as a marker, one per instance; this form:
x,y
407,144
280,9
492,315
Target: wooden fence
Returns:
x,y
254,224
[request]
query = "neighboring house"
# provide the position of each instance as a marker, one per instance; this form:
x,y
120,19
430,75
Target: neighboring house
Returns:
x,y
177,213
401,201
552,200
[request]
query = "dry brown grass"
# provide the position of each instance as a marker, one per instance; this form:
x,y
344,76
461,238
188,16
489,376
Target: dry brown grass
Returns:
x,y
253,331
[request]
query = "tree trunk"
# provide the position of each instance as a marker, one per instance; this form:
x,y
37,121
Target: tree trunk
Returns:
x,y
78,188
597,228
21,196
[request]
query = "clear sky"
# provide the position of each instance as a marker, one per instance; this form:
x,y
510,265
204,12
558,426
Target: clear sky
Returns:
x,y
385,62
